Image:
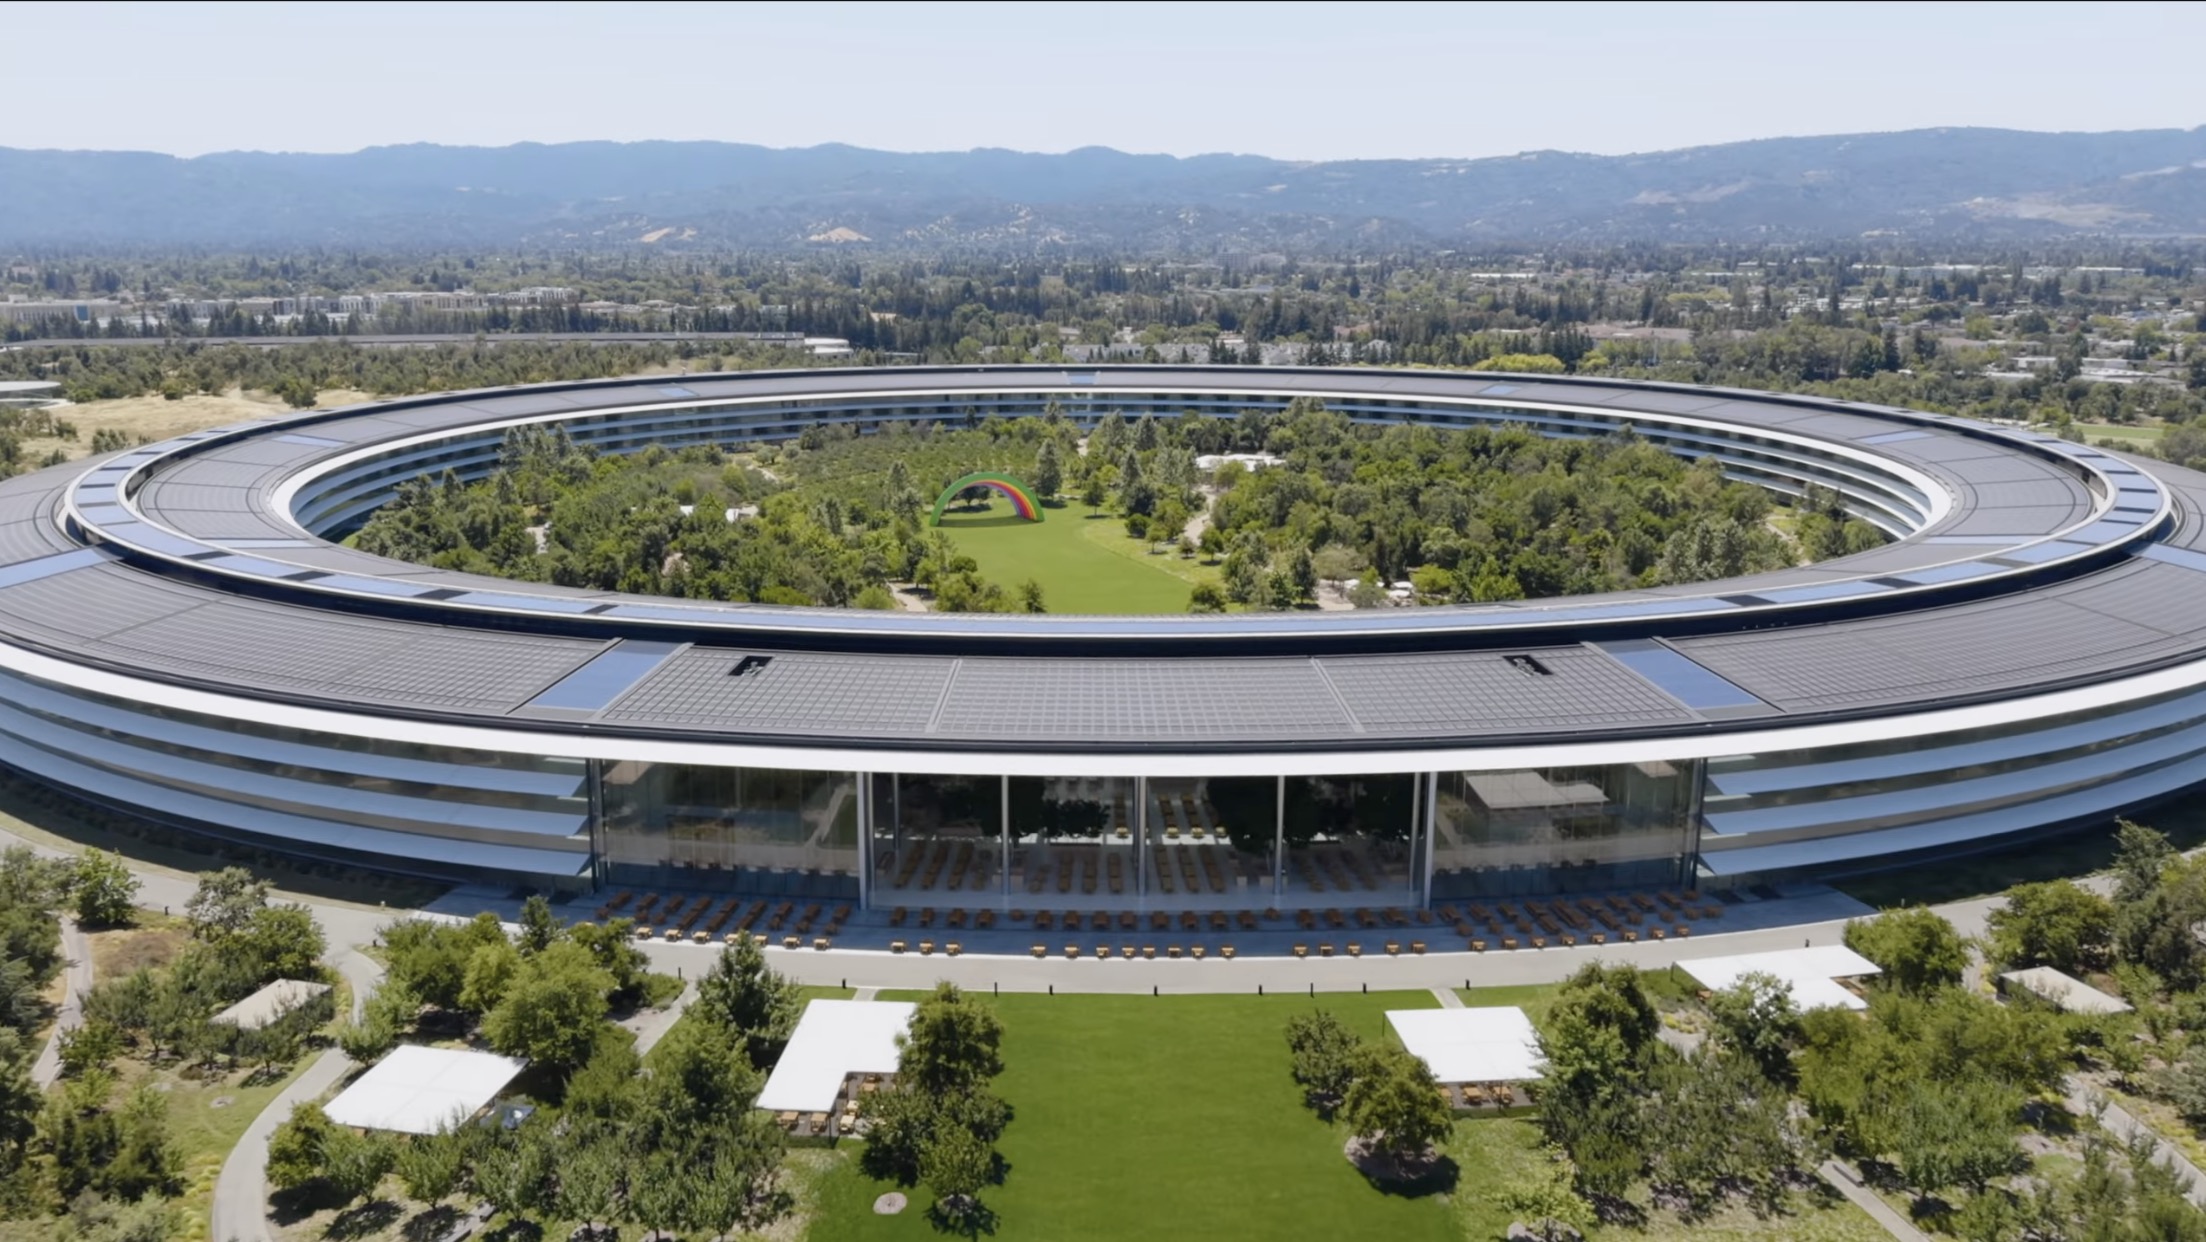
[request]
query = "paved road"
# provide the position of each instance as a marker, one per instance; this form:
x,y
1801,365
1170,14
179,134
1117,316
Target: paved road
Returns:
x,y
76,953
1843,1180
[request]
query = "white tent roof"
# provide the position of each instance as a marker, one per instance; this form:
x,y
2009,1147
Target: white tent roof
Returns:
x,y
833,1040
1470,1045
417,1090
1811,972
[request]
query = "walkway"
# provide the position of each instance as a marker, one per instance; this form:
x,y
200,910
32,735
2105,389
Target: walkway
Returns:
x,y
1842,1180
2123,1125
76,954
240,1210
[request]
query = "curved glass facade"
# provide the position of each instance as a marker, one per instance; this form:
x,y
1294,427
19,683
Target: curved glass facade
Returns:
x,y
1106,843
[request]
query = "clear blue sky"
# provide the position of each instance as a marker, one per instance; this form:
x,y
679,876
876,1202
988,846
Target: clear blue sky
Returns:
x,y
1328,81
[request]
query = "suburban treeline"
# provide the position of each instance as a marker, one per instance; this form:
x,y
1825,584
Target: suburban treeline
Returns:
x,y
835,518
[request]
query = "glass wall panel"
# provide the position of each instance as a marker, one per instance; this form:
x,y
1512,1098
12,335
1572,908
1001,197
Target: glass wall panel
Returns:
x,y
1351,841
938,841
1562,829
1211,841
1073,842
764,830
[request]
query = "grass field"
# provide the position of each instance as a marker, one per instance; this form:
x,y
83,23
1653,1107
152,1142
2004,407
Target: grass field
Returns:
x,y
1079,572
1137,1117
1146,1118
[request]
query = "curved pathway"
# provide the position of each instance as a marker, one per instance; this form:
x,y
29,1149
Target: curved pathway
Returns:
x,y
240,1211
76,956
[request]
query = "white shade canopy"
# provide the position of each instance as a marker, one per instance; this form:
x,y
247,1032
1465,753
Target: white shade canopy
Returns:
x,y
417,1090
1812,973
833,1040
1470,1045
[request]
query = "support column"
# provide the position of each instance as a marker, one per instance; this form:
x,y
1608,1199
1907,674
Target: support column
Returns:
x,y
1003,867
1279,841
1416,821
1141,864
1431,782
1141,811
865,840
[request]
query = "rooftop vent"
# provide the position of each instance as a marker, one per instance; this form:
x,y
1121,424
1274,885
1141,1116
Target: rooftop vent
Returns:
x,y
1530,664
749,664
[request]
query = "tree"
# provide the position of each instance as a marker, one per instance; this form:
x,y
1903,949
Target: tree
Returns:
x,y
225,902
1756,1018
755,1004
1395,1106
2056,923
103,889
281,942
952,1046
432,1166
490,971
2141,855
1326,1054
1918,950
1206,597
1030,597
1955,1134
1545,1201
539,926
1049,470
354,1163
551,1009
1093,492
295,1148
957,1164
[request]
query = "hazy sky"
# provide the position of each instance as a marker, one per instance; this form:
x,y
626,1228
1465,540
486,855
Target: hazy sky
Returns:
x,y
1326,81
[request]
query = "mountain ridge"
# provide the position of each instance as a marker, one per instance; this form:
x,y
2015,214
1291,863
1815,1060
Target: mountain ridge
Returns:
x,y
1928,184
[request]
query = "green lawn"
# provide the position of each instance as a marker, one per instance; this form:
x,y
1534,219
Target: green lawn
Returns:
x,y
2131,435
1174,1118
1078,573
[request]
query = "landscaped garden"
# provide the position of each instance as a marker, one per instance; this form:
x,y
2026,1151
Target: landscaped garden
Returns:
x,y
1161,514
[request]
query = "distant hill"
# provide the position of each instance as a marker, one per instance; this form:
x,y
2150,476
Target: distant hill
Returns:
x,y
1933,183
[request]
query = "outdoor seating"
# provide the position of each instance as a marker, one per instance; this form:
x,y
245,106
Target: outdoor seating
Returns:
x,y
896,946
1302,950
1149,952
926,948
791,942
1417,947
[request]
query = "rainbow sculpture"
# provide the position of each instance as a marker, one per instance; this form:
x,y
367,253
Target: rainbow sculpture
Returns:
x,y
1022,501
